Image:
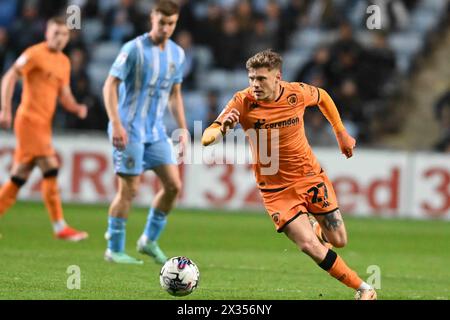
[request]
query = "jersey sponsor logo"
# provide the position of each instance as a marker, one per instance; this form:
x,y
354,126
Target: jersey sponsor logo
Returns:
x,y
292,99
261,124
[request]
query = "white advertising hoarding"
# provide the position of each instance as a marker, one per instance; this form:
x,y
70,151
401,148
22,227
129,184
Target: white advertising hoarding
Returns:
x,y
372,183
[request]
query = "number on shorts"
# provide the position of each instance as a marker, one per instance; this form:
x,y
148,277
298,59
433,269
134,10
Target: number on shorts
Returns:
x,y
315,191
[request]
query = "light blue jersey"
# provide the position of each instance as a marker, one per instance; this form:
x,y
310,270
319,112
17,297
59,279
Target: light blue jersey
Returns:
x,y
148,74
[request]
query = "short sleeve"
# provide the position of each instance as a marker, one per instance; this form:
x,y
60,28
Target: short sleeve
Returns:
x,y
235,103
124,62
179,73
27,61
310,94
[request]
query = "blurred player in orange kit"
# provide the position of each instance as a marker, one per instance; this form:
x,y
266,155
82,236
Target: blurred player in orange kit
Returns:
x,y
45,70
298,195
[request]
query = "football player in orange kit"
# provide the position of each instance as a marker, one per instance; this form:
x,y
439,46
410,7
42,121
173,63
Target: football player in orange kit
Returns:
x,y
45,70
299,189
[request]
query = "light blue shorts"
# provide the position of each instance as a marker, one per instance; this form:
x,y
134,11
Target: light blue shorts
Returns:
x,y
139,157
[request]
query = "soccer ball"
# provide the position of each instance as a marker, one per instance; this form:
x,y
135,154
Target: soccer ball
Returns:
x,y
179,276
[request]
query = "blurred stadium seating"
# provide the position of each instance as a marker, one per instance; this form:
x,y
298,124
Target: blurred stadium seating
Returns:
x,y
361,72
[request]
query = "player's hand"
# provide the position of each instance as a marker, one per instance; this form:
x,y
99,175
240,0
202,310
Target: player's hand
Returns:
x,y
5,120
346,143
230,121
119,136
82,111
182,143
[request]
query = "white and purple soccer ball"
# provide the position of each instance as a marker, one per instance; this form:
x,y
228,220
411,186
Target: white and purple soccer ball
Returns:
x,y
179,276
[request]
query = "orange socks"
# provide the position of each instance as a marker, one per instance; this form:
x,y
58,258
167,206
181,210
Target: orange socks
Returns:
x,y
337,268
52,200
50,194
8,195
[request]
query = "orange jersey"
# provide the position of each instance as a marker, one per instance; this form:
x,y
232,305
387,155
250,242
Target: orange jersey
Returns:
x,y
285,115
45,73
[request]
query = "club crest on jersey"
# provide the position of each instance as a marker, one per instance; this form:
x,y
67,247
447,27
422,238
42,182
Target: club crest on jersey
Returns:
x,y
276,217
172,68
292,99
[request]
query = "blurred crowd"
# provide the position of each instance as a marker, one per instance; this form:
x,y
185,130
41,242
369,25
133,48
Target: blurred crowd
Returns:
x,y
442,115
361,71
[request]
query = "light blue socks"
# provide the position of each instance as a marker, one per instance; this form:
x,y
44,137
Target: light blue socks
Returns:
x,y
116,234
156,222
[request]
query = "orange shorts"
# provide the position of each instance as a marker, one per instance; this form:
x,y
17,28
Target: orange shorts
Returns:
x,y
33,140
313,195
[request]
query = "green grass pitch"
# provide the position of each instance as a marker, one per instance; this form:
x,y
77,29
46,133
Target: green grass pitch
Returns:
x,y
239,255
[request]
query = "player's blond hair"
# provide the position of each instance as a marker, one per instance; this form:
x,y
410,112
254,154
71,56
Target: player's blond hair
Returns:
x,y
58,20
265,59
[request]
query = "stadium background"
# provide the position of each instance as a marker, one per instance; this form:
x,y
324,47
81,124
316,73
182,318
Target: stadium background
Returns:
x,y
391,86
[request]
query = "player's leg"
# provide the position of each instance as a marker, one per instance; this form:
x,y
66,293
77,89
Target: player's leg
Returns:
x,y
9,191
22,167
128,166
332,228
162,204
165,199
160,158
318,231
323,205
300,232
52,199
118,215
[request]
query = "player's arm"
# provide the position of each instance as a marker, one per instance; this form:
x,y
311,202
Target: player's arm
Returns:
x,y
9,81
228,119
70,104
111,100
176,107
212,134
328,108
219,129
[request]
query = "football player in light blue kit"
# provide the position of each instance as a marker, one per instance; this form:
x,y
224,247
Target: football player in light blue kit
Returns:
x,y
144,80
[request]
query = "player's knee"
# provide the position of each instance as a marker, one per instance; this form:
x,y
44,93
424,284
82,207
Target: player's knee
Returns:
x,y
173,187
309,246
18,181
133,192
339,241
129,193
